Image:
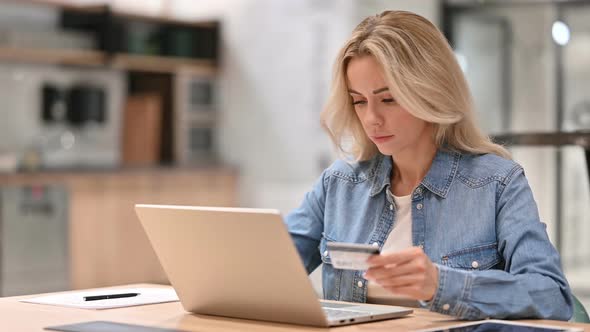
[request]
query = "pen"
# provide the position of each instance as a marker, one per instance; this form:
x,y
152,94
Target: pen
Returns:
x,y
109,296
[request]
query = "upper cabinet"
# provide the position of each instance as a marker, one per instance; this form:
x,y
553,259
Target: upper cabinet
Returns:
x,y
101,36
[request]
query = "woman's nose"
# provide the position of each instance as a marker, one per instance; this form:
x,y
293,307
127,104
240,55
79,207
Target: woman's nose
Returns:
x,y
372,116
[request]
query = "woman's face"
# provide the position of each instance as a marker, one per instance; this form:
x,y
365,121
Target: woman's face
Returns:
x,y
385,122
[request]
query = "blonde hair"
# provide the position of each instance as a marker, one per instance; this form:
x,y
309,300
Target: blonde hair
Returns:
x,y
422,74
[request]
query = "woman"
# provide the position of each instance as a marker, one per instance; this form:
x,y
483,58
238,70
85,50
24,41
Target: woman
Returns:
x,y
455,219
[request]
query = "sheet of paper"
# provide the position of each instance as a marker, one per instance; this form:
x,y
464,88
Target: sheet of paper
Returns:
x,y
103,326
76,299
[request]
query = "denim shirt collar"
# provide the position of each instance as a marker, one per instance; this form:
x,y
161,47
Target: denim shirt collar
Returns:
x,y
438,179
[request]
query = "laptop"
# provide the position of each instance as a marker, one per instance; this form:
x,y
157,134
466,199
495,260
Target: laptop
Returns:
x,y
242,263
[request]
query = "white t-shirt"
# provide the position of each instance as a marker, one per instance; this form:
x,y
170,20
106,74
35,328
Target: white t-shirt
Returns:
x,y
398,239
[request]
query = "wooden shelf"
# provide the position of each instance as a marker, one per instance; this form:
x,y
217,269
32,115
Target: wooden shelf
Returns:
x,y
65,175
53,56
163,64
135,62
162,19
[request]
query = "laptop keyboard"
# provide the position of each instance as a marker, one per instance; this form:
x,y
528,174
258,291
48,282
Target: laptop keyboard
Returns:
x,y
335,313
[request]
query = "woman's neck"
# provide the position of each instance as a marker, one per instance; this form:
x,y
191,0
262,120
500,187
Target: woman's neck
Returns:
x,y
410,167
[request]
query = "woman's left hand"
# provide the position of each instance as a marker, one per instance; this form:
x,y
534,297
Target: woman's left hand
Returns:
x,y
408,272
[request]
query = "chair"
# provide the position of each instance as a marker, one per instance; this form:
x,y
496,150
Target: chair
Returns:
x,y
580,314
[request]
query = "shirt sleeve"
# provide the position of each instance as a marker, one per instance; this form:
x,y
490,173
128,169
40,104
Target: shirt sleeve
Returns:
x,y
531,285
306,224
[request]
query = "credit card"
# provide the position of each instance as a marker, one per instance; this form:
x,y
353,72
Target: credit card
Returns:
x,y
351,256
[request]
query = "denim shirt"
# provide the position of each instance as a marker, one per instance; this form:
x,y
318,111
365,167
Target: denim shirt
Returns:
x,y
473,215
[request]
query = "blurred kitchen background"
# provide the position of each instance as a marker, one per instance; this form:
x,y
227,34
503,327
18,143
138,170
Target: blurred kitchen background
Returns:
x,y
216,102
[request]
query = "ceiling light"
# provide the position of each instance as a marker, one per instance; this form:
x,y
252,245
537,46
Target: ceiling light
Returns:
x,y
561,33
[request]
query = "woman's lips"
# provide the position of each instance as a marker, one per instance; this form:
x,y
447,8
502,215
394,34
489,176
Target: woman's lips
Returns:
x,y
382,139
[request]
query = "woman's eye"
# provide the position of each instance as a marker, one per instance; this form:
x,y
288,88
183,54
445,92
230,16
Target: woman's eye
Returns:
x,y
359,102
388,100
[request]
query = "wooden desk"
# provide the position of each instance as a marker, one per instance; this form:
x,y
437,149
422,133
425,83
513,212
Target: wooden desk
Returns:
x,y
17,316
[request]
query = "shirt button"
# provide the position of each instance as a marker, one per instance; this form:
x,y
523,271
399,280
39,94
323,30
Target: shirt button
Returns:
x,y
375,244
326,253
391,206
421,246
359,284
418,190
446,306
474,264
419,206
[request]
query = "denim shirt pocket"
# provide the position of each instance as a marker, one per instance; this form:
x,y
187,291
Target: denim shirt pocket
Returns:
x,y
480,257
331,277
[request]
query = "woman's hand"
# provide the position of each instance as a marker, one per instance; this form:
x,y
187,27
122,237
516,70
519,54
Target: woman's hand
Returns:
x,y
408,272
